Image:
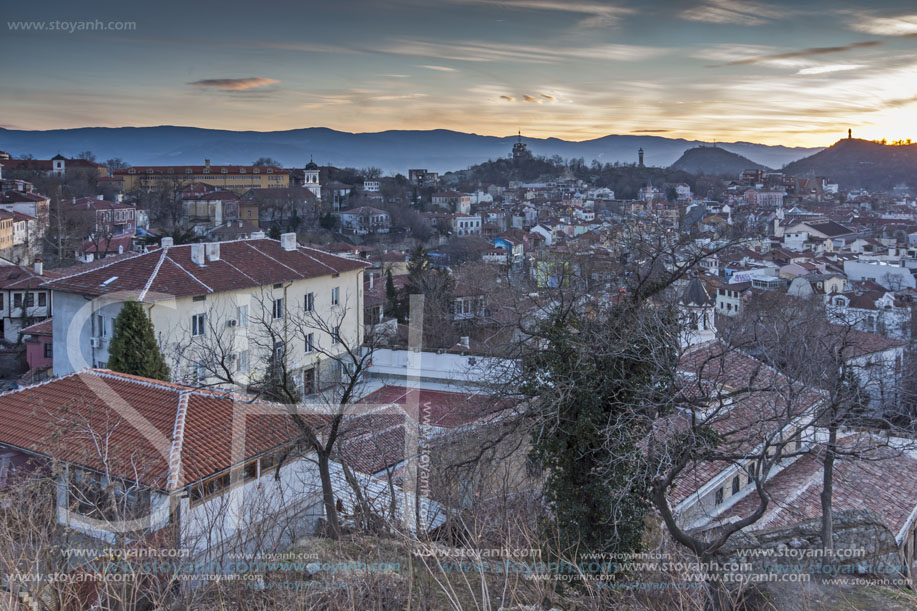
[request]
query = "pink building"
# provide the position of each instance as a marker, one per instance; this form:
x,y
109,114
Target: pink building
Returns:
x,y
38,345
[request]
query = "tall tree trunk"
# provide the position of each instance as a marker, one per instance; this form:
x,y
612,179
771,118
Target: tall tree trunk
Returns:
x,y
331,514
827,527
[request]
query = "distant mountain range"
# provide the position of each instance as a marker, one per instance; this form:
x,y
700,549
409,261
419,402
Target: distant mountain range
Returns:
x,y
714,161
392,151
855,163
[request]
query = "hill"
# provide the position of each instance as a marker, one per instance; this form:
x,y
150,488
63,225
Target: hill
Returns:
x,y
714,161
861,164
392,151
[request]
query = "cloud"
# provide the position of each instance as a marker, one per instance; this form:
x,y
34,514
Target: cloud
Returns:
x,y
508,98
234,84
650,131
901,25
438,68
739,12
597,14
789,55
830,68
549,98
532,99
486,51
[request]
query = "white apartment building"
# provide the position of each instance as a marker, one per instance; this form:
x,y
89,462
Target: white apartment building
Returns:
x,y
237,305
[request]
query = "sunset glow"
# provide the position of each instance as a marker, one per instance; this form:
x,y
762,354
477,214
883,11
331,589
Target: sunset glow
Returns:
x,y
775,72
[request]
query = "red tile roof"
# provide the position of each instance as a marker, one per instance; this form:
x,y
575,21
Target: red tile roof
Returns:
x,y
760,401
859,483
170,271
179,170
19,277
95,203
40,328
161,434
437,407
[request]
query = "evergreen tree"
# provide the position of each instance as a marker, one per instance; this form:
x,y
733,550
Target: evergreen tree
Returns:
x,y
392,303
589,378
133,346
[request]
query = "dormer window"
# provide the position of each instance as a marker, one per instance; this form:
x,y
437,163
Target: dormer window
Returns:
x,y
149,170
256,171
132,171
241,170
223,171
187,170
270,170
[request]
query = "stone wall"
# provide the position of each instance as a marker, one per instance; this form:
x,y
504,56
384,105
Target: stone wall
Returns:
x,y
863,545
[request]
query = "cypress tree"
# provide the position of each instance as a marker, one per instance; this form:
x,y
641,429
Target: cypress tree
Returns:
x,y
133,346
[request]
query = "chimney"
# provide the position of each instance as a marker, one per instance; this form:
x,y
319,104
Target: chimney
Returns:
x,y
39,267
166,242
371,278
197,254
465,342
288,241
119,197
206,165
213,251
99,196
258,235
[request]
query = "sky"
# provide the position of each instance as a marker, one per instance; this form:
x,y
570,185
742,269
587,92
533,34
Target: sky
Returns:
x,y
775,72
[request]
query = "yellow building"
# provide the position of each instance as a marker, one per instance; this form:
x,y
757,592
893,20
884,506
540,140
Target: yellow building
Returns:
x,y
6,229
236,178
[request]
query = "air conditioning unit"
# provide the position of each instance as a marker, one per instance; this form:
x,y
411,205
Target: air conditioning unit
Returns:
x,y
232,323
95,342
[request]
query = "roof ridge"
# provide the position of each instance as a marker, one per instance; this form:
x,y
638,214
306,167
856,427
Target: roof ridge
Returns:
x,y
149,282
238,270
178,439
275,260
193,277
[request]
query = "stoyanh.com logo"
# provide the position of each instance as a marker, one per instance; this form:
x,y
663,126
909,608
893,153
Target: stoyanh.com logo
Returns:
x,y
71,27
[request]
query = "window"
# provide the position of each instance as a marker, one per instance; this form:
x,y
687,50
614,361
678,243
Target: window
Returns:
x,y
17,300
101,327
200,372
243,316
242,361
718,498
278,308
278,351
735,484
309,302
308,381
310,342
336,335
1,301
49,350
209,488
335,295
30,300
198,325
